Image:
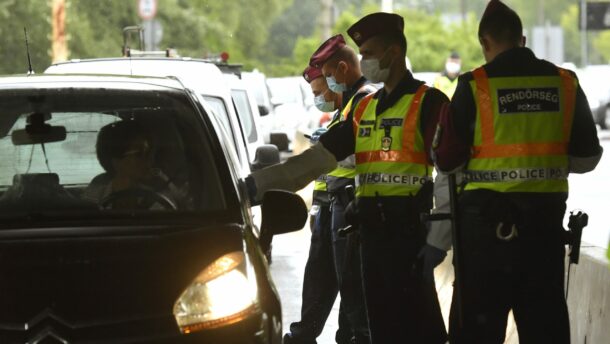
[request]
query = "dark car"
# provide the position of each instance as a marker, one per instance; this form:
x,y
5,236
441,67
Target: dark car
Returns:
x,y
124,218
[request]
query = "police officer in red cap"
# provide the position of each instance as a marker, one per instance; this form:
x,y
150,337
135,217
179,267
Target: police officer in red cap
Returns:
x,y
390,134
517,126
341,70
320,284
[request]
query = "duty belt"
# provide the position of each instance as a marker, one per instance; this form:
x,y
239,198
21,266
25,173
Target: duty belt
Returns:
x,y
390,179
517,175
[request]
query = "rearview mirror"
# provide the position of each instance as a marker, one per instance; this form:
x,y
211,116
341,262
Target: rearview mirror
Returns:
x,y
282,212
45,134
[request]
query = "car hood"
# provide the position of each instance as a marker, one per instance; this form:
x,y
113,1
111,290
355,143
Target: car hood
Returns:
x,y
95,280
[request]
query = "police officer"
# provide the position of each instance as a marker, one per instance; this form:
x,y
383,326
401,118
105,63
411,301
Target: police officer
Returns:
x,y
341,69
390,135
517,126
320,285
447,80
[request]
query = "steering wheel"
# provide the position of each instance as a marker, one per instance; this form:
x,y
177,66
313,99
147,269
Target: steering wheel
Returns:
x,y
140,193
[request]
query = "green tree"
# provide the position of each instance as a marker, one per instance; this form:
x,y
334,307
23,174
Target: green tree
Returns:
x,y
298,20
602,45
95,27
14,16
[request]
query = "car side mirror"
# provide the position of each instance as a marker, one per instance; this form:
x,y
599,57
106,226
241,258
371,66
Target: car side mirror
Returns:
x,y
282,212
263,110
280,140
265,156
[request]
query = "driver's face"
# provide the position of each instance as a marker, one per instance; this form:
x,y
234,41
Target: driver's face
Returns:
x,y
136,162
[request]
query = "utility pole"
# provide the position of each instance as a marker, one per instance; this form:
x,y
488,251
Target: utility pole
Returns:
x,y
541,20
583,34
326,18
59,43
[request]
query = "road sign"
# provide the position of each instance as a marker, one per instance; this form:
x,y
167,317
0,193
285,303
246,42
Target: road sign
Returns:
x,y
597,16
147,9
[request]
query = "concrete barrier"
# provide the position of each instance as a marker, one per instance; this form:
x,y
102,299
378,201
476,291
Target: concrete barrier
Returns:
x,y
589,297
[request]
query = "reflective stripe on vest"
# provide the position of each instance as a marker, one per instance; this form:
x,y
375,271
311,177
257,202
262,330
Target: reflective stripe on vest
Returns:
x,y
522,132
390,157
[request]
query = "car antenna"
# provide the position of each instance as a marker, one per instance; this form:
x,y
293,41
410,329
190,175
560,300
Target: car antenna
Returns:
x,y
27,50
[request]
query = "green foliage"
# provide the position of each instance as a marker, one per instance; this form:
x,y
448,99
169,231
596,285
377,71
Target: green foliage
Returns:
x,y
275,36
430,41
602,45
95,27
296,21
14,16
598,42
463,38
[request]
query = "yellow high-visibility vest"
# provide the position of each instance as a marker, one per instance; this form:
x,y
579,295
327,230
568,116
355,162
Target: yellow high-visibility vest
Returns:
x,y
390,157
522,132
345,169
446,85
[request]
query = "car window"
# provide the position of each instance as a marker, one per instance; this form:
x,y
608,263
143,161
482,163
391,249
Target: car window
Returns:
x,y
121,151
219,108
244,111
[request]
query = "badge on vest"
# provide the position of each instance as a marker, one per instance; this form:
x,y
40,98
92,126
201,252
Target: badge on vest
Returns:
x,y
386,143
364,132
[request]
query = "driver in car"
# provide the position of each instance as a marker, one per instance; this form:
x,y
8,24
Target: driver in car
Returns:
x,y
125,150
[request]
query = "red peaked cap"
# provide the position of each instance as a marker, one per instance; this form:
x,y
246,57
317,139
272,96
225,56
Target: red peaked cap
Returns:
x,y
311,73
326,50
495,6
376,24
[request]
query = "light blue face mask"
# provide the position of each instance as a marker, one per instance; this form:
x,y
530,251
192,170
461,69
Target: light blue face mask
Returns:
x,y
334,85
322,104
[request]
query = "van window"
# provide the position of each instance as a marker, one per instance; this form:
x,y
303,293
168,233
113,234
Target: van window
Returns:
x,y
244,111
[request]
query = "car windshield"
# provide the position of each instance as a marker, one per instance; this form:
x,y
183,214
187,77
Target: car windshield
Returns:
x,y
68,152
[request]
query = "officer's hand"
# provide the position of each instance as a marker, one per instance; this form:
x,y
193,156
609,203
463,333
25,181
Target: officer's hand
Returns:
x,y
431,257
315,136
315,209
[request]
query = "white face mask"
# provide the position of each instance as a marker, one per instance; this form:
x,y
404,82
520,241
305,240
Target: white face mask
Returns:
x,y
373,72
334,86
452,67
322,104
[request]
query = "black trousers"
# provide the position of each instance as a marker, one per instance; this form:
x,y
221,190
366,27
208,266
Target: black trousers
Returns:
x,y
525,274
320,286
402,306
349,276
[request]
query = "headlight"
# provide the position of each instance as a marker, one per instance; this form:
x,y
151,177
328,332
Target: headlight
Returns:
x,y
223,293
